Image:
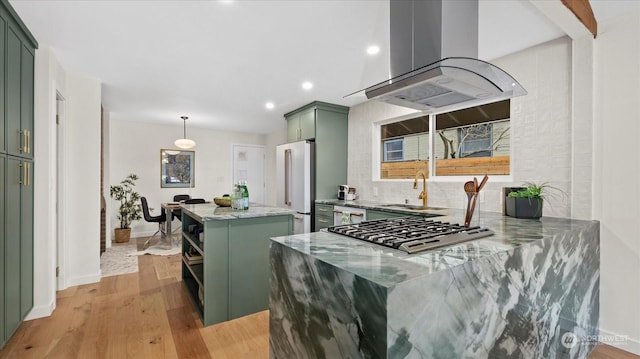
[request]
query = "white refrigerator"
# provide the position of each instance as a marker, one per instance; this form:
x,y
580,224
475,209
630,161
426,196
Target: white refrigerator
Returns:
x,y
294,168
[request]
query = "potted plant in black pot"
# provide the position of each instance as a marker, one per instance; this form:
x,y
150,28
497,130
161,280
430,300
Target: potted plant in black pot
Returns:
x,y
130,209
527,201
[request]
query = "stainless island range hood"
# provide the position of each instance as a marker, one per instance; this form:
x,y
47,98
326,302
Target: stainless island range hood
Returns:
x,y
434,65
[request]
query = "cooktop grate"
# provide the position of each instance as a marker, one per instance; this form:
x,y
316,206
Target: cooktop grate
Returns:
x,y
411,234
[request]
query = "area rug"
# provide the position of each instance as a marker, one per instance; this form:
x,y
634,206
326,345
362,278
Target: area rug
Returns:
x,y
159,251
120,259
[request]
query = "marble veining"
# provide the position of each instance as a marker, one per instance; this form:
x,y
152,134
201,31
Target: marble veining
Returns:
x,y
513,295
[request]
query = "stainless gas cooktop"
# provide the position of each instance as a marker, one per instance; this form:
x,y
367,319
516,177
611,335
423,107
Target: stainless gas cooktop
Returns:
x,y
411,234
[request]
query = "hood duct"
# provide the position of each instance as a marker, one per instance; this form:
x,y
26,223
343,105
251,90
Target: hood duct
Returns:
x,y
434,65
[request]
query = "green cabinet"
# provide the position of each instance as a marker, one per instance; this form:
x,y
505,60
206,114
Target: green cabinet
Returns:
x,y
3,161
327,125
323,216
301,125
17,49
232,278
19,61
18,242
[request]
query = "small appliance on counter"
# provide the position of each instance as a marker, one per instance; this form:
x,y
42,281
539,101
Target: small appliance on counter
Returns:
x,y
346,193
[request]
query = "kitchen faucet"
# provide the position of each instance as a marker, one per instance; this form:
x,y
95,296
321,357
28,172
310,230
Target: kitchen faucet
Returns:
x,y
423,194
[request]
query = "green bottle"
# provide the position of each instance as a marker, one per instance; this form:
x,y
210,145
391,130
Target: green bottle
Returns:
x,y
245,195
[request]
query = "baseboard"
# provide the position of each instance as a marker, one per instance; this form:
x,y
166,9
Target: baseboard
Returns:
x,y
87,279
41,311
622,342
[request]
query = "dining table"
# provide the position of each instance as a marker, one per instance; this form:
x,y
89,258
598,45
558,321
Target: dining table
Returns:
x,y
166,239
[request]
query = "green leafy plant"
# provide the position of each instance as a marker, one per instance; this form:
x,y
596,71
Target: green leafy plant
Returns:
x,y
536,193
533,190
130,208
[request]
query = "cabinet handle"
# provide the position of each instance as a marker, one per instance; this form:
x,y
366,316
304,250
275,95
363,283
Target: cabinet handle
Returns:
x,y
352,214
23,141
28,178
25,168
28,148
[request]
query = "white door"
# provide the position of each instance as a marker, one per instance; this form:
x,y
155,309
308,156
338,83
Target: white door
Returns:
x,y
249,165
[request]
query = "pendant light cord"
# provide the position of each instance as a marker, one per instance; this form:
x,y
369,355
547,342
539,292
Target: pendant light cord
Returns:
x,y
184,126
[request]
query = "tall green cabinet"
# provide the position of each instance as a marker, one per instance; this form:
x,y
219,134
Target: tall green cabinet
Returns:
x,y
327,125
17,50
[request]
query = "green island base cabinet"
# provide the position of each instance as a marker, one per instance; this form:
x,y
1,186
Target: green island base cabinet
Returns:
x,y
232,279
17,49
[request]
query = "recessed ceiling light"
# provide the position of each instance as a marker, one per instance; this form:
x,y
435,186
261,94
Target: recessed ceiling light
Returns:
x,y
307,85
373,49
269,105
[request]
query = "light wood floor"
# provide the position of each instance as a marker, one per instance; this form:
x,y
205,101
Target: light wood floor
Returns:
x,y
148,315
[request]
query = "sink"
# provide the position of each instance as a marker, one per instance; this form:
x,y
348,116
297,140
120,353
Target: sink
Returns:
x,y
412,207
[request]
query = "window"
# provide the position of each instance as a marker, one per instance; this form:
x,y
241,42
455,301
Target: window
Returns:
x,y
472,141
393,150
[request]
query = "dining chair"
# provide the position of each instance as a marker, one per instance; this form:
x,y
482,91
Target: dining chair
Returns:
x,y
152,219
195,201
177,213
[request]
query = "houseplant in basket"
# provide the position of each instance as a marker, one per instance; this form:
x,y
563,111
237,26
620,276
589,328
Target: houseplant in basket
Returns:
x,y
130,209
527,201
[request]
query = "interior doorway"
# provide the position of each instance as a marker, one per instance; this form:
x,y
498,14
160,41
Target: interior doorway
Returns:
x,y
249,165
59,193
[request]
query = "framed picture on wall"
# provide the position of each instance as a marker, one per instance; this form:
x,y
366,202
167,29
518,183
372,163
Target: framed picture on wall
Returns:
x,y
177,168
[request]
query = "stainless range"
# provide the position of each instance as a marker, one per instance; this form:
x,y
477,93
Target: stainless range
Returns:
x,y
411,234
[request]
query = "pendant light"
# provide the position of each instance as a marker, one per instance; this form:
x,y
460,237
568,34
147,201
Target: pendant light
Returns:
x,y
184,142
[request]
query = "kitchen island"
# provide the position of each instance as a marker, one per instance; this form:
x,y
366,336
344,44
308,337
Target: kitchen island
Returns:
x,y
225,257
529,291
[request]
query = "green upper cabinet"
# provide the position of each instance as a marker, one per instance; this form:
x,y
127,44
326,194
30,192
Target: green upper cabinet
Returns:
x,y
14,136
17,49
301,125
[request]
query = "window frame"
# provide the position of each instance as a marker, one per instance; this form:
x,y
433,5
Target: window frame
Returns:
x,y
377,154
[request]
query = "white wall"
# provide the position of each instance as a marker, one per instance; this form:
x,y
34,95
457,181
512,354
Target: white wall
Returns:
x,y
135,148
82,180
540,136
617,174
49,77
79,209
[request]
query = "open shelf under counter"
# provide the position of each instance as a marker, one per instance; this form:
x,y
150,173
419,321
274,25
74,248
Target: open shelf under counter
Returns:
x,y
224,286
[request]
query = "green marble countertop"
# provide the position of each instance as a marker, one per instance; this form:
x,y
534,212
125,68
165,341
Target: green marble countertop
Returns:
x,y
211,212
389,267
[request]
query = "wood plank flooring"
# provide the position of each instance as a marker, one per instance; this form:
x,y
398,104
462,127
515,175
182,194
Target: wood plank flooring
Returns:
x,y
148,315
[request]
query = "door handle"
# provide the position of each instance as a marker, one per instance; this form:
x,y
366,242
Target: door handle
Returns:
x,y
28,148
287,171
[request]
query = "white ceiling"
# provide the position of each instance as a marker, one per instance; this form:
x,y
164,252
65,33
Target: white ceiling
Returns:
x,y
219,62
